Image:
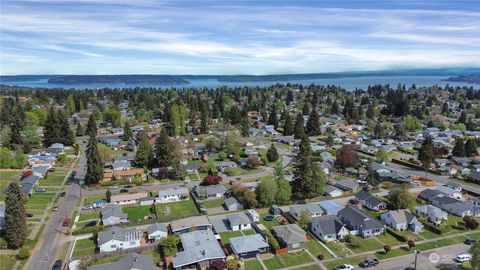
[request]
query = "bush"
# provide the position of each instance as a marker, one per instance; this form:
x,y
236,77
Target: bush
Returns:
x,y
432,228
272,241
211,180
399,237
253,162
94,230
470,222
23,253
205,167
321,257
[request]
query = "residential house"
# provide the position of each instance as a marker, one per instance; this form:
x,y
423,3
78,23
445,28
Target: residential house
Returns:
x,y
455,186
457,207
200,248
149,200
330,208
172,195
56,148
156,232
432,213
231,204
130,175
216,191
291,236
313,210
121,165
474,176
328,228
401,220
222,165
370,202
248,246
26,189
195,223
462,161
193,168
123,199
453,193
112,215
348,185
359,223
132,261
332,191
428,194
117,238
42,158
239,221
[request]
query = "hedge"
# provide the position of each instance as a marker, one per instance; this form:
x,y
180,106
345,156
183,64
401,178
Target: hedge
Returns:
x,y
399,237
94,230
272,241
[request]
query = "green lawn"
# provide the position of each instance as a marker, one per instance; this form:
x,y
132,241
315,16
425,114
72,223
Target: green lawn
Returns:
x,y
389,239
394,253
7,262
268,224
339,249
273,263
84,247
176,210
248,232
441,243
89,215
38,201
240,171
54,179
193,176
365,245
316,249
225,236
214,203
137,212
253,265
475,235
427,234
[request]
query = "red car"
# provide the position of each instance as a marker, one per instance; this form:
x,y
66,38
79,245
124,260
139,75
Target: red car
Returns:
x,y
66,222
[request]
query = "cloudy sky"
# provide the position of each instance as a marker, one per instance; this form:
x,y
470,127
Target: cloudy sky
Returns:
x,y
235,37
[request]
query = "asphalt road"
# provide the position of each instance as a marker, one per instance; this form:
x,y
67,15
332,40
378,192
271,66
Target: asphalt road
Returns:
x,y
47,249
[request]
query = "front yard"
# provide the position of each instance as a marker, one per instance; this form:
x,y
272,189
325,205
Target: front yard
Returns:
x,y
253,265
88,215
84,247
54,179
287,260
38,201
175,210
316,249
214,203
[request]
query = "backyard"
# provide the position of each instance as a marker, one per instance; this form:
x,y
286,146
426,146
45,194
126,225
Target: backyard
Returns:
x,y
137,212
268,224
54,179
214,203
225,236
175,210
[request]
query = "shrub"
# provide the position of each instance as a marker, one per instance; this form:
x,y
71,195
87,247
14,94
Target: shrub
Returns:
x,y
218,265
205,167
387,248
411,244
272,241
470,222
23,253
253,162
321,257
211,180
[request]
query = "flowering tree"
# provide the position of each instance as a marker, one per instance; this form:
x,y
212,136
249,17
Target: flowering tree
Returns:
x,y
211,180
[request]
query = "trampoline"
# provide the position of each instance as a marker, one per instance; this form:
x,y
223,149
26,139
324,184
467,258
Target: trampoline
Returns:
x,y
269,217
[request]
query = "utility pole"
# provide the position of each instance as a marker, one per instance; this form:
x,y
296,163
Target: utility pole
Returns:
x,y
416,252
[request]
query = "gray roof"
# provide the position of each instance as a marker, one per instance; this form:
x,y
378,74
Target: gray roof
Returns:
x,y
401,216
238,219
172,192
217,189
310,208
330,188
290,233
372,200
231,201
121,164
429,194
347,184
329,224
113,210
194,166
330,207
363,195
198,246
247,243
157,227
431,210
129,262
453,184
359,218
445,200
118,233
189,222
31,180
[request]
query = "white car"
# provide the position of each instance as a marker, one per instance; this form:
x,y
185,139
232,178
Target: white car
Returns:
x,y
463,258
344,267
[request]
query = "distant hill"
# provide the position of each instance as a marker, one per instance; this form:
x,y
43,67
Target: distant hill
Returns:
x,y
472,78
122,79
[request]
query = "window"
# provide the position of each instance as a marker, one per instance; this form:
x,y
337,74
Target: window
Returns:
x,y
132,243
113,246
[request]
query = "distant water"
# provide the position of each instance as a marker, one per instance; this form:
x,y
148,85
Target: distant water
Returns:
x,y
347,83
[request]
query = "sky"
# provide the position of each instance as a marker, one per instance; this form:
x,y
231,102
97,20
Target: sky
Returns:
x,y
235,37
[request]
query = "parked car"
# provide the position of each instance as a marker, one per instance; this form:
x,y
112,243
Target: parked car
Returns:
x,y
66,222
470,241
29,215
461,258
87,207
369,263
57,265
344,267
40,190
123,190
128,186
55,209
62,194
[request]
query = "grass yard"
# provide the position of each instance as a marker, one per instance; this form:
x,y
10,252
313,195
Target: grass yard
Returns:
x,y
214,203
394,253
55,178
365,245
339,249
268,224
193,176
253,265
389,239
137,212
10,174
248,232
38,201
176,210
475,235
294,258
427,234
441,243
225,236
89,215
7,262
316,249
273,263
240,171
84,247
310,267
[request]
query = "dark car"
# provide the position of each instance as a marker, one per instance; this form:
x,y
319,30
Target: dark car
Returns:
x,y
369,263
123,190
57,265
470,241
128,186
90,224
62,194
29,215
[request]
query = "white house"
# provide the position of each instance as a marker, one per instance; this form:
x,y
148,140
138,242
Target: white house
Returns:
x,y
401,220
432,213
329,228
157,231
124,199
239,221
117,238
332,191
172,195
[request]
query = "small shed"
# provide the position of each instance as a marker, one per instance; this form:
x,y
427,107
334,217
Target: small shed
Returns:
x,y
275,210
231,204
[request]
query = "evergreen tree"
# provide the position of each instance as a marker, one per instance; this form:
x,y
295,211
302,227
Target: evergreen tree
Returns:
x,y
313,123
16,137
463,118
329,141
299,130
65,133
94,163
305,109
144,154
50,131
459,148
278,170
91,126
302,184
245,127
127,131
163,149
204,117
335,108
108,194
79,131
272,154
15,216
288,125
378,132
471,148
272,118
425,154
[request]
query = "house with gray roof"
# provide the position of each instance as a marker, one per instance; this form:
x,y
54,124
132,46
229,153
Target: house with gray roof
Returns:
x,y
121,165
330,208
432,213
359,223
457,207
2,217
239,221
194,223
347,185
31,180
215,191
157,231
428,194
56,148
192,168
313,210
328,228
117,238
248,246
332,191
172,195
26,189
112,214
231,204
370,202
291,236
132,261
401,220
200,248
453,193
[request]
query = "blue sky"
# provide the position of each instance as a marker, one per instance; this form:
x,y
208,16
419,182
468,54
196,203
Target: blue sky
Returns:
x,y
235,37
